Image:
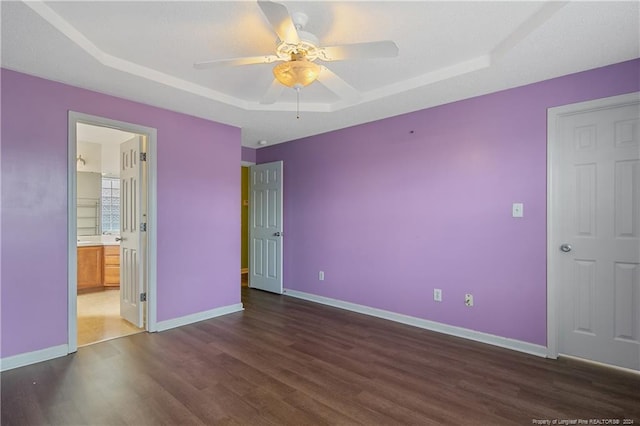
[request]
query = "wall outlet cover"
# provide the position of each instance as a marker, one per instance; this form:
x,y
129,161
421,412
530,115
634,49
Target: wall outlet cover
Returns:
x,y
468,299
517,210
437,295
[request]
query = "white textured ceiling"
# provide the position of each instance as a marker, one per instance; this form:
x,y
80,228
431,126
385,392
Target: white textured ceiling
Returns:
x,y
144,51
101,135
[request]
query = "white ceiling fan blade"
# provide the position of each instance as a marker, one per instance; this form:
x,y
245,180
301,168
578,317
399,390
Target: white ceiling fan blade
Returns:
x,y
373,49
337,85
249,60
273,93
279,18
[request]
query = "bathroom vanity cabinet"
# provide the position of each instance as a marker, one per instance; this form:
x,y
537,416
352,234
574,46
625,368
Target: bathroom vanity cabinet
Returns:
x,y
98,267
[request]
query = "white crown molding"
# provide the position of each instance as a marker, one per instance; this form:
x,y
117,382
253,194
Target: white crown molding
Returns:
x,y
431,77
527,27
59,23
426,79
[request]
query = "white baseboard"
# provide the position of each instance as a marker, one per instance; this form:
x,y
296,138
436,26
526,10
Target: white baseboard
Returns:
x,y
21,360
27,358
601,364
200,316
503,342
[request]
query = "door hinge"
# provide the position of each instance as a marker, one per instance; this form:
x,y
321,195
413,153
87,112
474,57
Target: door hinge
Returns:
x,y
143,156
143,227
143,297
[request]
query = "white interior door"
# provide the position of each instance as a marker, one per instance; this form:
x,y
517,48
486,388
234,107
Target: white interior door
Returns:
x,y
265,227
596,237
131,278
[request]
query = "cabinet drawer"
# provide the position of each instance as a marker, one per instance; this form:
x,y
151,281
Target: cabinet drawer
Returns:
x,y
111,275
111,250
112,260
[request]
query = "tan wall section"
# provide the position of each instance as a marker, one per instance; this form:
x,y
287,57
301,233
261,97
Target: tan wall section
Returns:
x,y
244,224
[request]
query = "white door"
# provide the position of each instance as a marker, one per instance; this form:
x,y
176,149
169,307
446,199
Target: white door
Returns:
x,y
595,233
131,278
265,227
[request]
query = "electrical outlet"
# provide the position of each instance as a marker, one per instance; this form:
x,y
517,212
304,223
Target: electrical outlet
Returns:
x,y
437,295
468,299
517,210
321,276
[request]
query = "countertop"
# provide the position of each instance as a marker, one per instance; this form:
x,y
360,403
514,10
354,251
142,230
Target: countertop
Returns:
x,y
97,240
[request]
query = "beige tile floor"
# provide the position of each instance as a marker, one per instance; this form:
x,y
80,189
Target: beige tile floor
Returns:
x,y
99,317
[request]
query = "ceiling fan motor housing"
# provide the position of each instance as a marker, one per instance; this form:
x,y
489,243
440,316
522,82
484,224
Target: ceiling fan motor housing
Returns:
x,y
308,43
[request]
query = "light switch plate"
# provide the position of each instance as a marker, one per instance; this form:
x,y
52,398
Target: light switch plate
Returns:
x,y
517,210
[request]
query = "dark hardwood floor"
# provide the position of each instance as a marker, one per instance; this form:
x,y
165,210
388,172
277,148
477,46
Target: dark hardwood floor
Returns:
x,y
287,361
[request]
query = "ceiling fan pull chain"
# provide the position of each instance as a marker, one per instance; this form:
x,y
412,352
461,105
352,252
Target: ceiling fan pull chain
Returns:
x,y
298,103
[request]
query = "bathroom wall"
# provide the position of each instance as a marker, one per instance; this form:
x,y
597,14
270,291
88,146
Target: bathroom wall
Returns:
x,y
89,191
111,159
91,153
89,185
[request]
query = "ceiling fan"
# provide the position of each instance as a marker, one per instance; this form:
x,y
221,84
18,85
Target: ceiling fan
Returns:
x,y
297,50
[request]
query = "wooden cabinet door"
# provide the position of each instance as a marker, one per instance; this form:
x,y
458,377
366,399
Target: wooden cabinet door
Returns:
x,y
89,267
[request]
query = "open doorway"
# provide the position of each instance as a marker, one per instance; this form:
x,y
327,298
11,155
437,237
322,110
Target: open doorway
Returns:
x,y
244,227
111,229
98,224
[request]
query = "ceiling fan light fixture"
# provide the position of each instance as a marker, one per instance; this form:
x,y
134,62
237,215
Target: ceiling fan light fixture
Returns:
x,y
296,73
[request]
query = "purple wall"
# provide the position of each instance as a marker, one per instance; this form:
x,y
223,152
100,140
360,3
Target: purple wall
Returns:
x,y
392,209
248,154
198,184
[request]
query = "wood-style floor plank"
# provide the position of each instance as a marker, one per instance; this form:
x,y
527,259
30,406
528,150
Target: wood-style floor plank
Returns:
x,y
287,361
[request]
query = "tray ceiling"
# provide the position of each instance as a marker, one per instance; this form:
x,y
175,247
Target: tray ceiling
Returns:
x,y
144,51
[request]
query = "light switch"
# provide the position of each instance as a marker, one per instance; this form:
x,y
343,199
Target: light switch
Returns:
x,y
517,210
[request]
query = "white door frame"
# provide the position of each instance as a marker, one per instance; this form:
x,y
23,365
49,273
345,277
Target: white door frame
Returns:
x,y
553,200
72,256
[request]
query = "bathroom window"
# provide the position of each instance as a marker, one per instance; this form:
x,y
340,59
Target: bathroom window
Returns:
x,y
110,205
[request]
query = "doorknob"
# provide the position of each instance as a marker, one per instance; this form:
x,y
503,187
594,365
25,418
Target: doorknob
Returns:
x,y
119,239
565,247
278,234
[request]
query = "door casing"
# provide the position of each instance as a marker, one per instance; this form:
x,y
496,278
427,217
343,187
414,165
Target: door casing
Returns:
x,y
553,200
72,289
